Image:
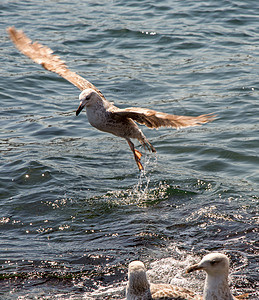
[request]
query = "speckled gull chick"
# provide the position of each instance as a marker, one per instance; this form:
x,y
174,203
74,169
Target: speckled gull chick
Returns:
x,y
101,113
216,287
138,287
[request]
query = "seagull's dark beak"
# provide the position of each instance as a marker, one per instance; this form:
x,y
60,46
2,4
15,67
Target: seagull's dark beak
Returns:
x,y
80,107
193,268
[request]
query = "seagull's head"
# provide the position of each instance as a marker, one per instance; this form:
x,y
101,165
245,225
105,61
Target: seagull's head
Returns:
x,y
137,276
214,264
87,98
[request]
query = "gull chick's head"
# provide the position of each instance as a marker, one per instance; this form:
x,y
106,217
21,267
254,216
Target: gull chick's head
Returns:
x,y
213,264
87,98
137,276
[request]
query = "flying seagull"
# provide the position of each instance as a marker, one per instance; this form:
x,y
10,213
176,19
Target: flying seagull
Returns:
x,y
216,287
138,287
101,113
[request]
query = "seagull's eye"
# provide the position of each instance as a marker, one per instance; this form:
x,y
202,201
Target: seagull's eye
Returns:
x,y
213,262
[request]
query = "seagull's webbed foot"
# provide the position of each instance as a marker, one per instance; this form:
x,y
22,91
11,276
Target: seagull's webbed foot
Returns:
x,y
147,145
137,154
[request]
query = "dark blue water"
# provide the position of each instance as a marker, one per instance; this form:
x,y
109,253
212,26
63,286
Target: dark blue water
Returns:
x,y
74,210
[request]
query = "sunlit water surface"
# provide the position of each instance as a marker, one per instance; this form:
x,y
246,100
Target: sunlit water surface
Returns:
x,y
74,208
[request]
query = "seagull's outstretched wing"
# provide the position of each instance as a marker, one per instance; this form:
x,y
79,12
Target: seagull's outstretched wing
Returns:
x,y
43,55
155,119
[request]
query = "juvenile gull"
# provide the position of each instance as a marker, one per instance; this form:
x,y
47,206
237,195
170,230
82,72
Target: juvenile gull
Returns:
x,y
101,113
216,287
138,287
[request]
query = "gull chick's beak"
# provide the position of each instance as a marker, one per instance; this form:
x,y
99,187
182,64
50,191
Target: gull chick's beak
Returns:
x,y
193,268
80,107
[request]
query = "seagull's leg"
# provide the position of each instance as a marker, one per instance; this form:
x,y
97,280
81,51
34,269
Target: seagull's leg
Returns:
x,y
137,154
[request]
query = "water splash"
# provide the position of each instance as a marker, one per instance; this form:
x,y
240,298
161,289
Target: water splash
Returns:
x,y
141,193
140,190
